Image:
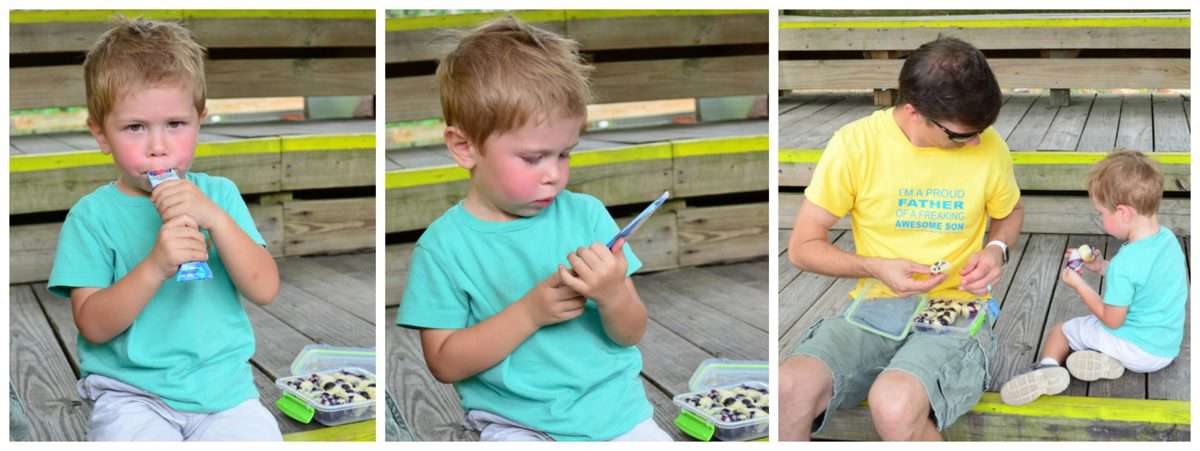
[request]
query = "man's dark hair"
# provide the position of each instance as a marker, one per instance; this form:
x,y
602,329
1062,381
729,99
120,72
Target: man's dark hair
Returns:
x,y
949,80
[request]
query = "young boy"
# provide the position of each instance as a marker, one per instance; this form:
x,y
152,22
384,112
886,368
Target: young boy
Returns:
x,y
161,359
1138,324
519,303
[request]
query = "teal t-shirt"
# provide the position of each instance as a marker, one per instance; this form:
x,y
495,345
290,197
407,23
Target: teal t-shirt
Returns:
x,y
192,343
569,379
1149,276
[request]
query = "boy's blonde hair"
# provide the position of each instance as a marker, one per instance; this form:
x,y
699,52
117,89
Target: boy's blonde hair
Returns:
x,y
138,52
1128,178
506,73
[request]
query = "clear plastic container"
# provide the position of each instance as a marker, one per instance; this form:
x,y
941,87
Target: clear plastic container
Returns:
x,y
327,359
723,374
704,426
962,325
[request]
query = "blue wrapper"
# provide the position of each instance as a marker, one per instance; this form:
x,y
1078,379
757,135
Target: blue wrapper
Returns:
x,y
188,271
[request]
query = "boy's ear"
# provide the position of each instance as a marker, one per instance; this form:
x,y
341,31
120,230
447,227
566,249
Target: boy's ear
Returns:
x,y
1125,212
98,133
461,149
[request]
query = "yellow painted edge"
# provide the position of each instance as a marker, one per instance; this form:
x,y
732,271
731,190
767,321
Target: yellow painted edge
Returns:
x,y
1092,408
467,20
358,141
103,16
1098,22
362,431
709,146
1022,158
408,178
83,158
598,157
593,14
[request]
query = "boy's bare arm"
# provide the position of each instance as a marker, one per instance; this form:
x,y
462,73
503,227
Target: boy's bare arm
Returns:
x,y
599,273
1111,316
103,313
624,318
250,266
456,354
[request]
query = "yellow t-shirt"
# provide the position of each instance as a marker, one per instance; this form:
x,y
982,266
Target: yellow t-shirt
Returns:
x,y
918,203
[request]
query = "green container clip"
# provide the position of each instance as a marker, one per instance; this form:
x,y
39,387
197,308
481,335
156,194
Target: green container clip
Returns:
x,y
295,408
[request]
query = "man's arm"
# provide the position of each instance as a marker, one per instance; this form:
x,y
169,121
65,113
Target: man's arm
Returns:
x,y
810,250
985,267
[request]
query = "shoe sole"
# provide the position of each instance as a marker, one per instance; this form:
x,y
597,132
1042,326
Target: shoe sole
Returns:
x,y
1091,365
1027,387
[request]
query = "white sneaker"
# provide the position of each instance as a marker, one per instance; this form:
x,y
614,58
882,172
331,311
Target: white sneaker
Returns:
x,y
1092,365
1042,380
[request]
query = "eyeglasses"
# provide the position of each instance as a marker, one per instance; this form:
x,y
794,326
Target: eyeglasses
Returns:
x,y
954,136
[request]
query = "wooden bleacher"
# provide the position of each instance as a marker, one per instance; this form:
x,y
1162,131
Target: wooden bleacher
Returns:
x,y
308,184
1053,142
708,167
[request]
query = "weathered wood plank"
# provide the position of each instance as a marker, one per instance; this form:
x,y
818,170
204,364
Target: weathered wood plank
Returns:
x,y
329,169
396,265
668,31
433,409
1171,132
360,431
1174,381
725,233
1032,129
738,300
1135,130
656,243
42,37
44,86
1015,107
41,373
827,305
416,207
1068,214
1100,132
1067,37
332,286
1065,131
331,225
320,321
1065,304
683,315
844,111
1024,307
430,44
720,174
669,360
1097,73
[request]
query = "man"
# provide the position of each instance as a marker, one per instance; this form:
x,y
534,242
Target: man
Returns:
x,y
921,181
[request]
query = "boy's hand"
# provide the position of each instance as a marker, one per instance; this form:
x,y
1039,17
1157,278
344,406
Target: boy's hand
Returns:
x,y
596,271
1071,278
1097,265
180,197
551,302
179,241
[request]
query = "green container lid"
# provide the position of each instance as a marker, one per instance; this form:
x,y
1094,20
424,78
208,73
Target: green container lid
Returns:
x,y
694,426
295,408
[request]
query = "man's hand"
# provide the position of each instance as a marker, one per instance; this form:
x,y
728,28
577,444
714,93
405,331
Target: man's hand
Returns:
x,y
552,302
597,272
897,274
982,270
179,241
180,197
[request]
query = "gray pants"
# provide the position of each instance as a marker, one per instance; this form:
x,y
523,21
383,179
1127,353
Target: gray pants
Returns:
x,y
494,427
123,412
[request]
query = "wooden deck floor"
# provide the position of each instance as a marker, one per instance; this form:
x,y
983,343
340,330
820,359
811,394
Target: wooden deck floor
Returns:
x,y
695,314
326,299
1103,122
1032,301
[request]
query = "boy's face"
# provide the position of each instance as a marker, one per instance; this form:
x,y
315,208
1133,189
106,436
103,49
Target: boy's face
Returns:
x,y
518,173
149,128
1114,222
